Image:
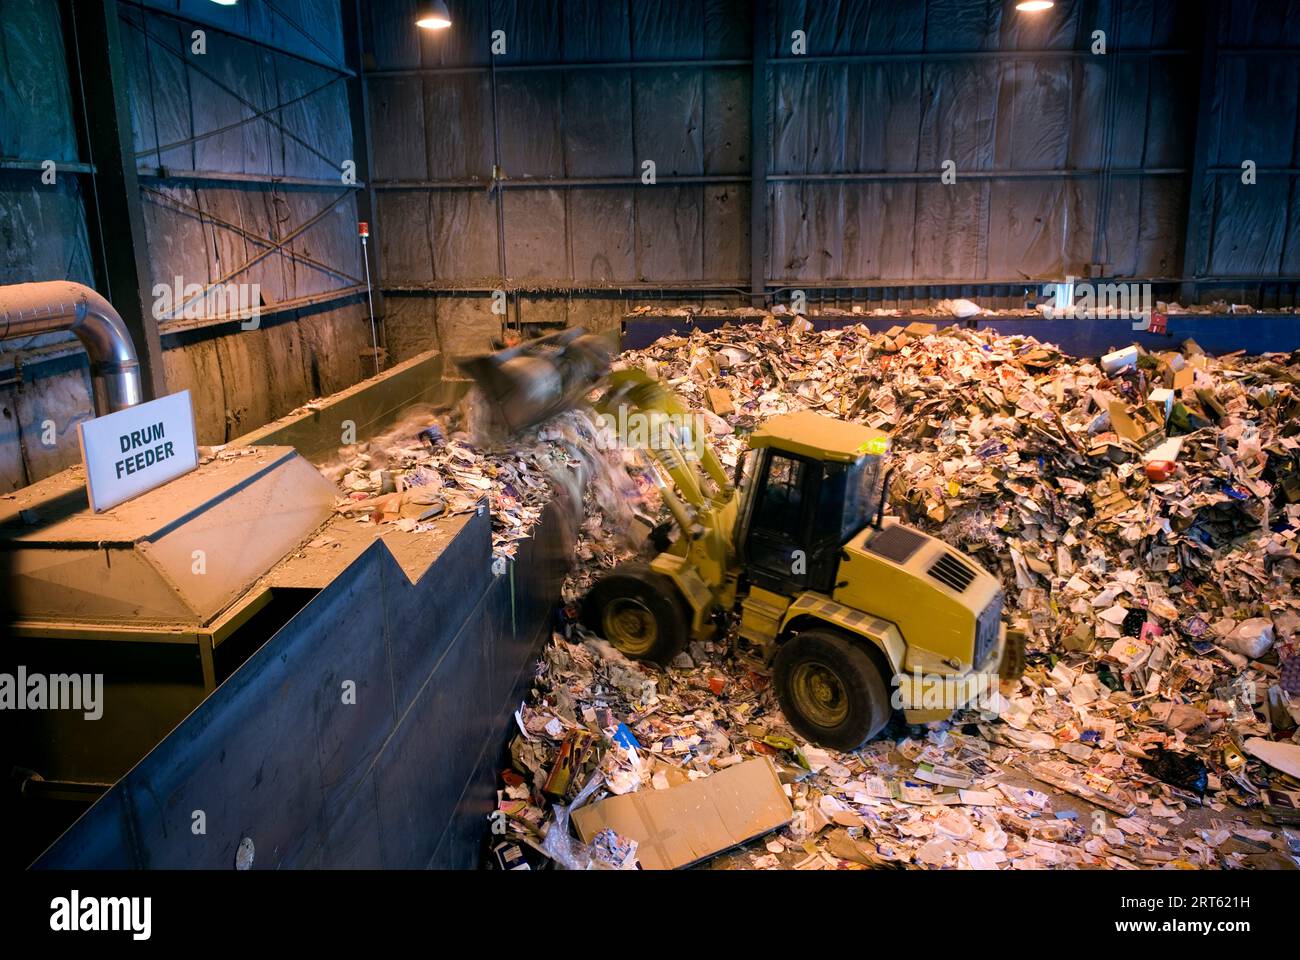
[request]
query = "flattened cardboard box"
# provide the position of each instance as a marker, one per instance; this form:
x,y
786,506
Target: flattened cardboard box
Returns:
x,y
686,824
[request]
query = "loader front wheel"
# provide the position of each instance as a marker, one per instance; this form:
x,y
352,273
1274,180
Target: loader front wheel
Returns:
x,y
830,689
638,611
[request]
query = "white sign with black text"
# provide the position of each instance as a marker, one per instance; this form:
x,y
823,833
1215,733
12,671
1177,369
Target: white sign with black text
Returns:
x,y
134,450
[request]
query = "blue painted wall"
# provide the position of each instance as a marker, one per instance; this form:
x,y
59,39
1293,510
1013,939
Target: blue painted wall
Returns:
x,y
1254,333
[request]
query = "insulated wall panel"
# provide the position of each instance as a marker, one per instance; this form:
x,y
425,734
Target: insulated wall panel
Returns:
x,y
1018,103
1248,229
215,131
535,235
1072,136
601,228
582,95
306,28
668,118
44,381
35,101
465,235
598,141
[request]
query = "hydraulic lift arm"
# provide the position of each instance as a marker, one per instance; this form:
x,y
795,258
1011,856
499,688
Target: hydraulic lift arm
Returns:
x,y
689,474
524,385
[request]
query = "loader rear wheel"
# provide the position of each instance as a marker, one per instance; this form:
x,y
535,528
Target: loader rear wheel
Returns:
x,y
830,689
639,612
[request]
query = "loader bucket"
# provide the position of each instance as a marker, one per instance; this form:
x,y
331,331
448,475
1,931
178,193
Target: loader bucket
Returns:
x,y
527,384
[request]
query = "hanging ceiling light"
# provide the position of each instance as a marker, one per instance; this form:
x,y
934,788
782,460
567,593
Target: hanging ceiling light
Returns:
x,y
434,16
1034,6
225,3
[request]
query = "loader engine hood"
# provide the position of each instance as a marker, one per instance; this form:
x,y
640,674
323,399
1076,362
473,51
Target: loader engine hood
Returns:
x,y
947,607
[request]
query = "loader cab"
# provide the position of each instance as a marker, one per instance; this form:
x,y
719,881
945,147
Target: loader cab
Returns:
x,y
812,482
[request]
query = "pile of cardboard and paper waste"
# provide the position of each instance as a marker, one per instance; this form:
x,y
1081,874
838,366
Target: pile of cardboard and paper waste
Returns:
x,y
420,471
1142,510
1037,303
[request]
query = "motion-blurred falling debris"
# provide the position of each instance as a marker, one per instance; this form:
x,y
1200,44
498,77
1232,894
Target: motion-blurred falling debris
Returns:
x,y
419,471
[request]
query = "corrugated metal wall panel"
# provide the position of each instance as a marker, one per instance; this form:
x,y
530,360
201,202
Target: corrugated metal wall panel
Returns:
x,y
880,131
668,118
1248,232
172,223
726,233
726,121
316,128
1031,115
42,226
1260,23
533,29
1291,246
405,243
1252,94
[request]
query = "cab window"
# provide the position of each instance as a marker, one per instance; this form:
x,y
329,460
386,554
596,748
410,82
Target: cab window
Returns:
x,y
780,505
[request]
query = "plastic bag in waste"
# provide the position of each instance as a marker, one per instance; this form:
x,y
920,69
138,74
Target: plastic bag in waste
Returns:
x,y
568,852
1251,637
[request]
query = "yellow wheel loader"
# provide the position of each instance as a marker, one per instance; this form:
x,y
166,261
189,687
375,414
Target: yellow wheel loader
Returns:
x,y
857,614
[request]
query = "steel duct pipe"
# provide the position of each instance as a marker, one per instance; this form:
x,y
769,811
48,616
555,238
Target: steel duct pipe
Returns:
x,y
31,308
